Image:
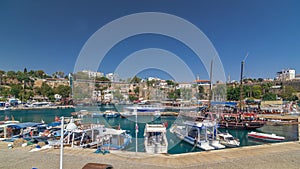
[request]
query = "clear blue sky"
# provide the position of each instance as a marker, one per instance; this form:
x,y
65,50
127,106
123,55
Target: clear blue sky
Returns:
x,y
49,35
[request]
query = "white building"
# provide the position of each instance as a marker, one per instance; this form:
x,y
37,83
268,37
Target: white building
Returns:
x,y
112,77
184,85
286,74
93,74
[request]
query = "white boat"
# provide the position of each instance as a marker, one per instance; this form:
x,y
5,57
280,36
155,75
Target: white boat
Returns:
x,y
126,114
265,136
195,133
111,113
157,114
228,140
155,138
146,108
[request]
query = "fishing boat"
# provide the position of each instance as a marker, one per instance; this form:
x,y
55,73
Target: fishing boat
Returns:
x,y
194,133
94,136
118,139
228,140
265,136
155,138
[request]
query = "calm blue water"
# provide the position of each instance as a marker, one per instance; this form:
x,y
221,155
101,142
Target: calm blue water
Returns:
x,y
290,132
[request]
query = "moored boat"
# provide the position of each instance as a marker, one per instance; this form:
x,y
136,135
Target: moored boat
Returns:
x,y
111,114
228,140
155,138
241,121
194,133
265,136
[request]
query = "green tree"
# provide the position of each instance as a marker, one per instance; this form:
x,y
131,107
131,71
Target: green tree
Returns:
x,y
288,93
233,93
15,90
269,97
256,91
63,90
2,72
201,92
46,90
11,74
135,79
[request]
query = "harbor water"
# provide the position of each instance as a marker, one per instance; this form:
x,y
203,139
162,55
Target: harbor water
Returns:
x,y
176,146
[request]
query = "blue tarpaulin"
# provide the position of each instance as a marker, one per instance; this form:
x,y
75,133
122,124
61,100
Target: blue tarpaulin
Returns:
x,y
24,125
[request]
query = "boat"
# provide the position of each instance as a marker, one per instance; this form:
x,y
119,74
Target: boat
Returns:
x,y
194,133
126,114
118,139
265,136
81,113
228,140
145,108
157,114
93,136
241,121
111,114
155,138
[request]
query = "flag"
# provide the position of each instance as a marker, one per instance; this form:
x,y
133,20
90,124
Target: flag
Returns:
x,y
136,128
166,124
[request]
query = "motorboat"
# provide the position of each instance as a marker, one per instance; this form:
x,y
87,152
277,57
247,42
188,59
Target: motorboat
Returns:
x,y
265,136
146,108
155,138
111,114
194,133
228,140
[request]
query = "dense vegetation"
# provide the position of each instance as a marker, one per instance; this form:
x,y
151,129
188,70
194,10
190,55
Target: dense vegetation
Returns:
x,y
21,85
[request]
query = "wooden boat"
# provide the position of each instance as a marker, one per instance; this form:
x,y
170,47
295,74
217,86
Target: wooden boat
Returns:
x,y
241,121
155,138
265,136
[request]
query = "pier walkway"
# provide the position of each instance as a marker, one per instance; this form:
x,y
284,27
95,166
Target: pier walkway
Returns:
x,y
275,156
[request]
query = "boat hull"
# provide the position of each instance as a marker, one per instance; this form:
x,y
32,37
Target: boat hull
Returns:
x,y
241,125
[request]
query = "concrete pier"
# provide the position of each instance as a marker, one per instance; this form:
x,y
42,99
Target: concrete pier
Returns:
x,y
273,156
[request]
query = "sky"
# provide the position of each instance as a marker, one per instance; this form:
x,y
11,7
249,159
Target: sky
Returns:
x,y
50,34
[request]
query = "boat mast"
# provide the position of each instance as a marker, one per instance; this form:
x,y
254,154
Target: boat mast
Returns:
x,y
241,82
241,85
210,87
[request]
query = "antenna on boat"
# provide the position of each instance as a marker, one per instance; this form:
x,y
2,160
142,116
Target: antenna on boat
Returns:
x,y
241,82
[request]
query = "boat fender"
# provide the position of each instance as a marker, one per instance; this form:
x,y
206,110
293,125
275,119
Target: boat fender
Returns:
x,y
246,124
226,124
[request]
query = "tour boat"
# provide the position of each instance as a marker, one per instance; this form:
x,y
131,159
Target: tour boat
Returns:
x,y
155,138
265,136
241,121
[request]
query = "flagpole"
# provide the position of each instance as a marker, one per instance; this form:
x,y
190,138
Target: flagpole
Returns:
x,y
136,131
61,143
